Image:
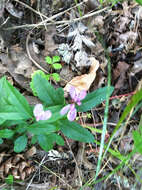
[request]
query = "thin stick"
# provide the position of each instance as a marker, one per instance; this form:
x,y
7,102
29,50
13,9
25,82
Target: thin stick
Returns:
x,y
58,22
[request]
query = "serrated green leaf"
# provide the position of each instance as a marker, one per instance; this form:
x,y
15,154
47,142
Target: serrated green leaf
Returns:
x,y
6,133
93,99
139,1
56,59
75,131
46,92
42,127
57,66
20,143
55,76
45,142
48,60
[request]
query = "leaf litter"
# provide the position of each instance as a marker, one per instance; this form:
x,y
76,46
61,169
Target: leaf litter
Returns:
x,y
85,67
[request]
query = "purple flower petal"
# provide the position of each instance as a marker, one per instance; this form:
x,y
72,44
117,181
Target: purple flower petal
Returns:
x,y
78,103
72,114
72,92
72,107
39,116
65,109
38,109
46,115
82,95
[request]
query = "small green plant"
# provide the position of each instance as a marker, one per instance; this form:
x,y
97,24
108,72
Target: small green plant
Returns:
x,y
44,121
9,180
54,62
139,1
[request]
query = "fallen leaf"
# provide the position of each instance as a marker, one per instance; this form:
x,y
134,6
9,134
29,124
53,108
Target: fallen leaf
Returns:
x,y
13,11
137,67
84,82
120,73
65,51
82,59
30,152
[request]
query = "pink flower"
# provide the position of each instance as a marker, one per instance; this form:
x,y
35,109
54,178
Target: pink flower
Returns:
x,y
70,108
40,114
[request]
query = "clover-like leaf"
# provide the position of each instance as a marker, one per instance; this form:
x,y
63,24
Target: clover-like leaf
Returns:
x,y
55,76
56,59
57,66
48,59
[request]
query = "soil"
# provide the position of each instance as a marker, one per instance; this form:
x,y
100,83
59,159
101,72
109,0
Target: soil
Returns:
x,y
30,30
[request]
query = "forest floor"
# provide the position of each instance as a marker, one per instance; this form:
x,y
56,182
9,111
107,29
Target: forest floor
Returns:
x,y
81,33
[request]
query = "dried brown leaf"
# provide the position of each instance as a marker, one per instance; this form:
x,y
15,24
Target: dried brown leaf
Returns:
x,y
22,175
17,158
22,166
84,82
2,172
8,165
1,156
15,173
30,152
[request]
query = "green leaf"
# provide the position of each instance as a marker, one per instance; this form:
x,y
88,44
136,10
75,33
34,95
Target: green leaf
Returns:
x,y
21,128
48,76
137,141
60,99
20,143
140,125
48,60
57,66
10,123
10,113
55,113
42,127
34,139
46,92
32,85
56,59
57,138
2,121
93,99
6,133
139,1
15,99
55,76
9,180
45,142
75,131
1,141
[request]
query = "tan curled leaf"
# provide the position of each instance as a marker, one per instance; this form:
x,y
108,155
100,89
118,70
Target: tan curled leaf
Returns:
x,y
84,82
30,152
